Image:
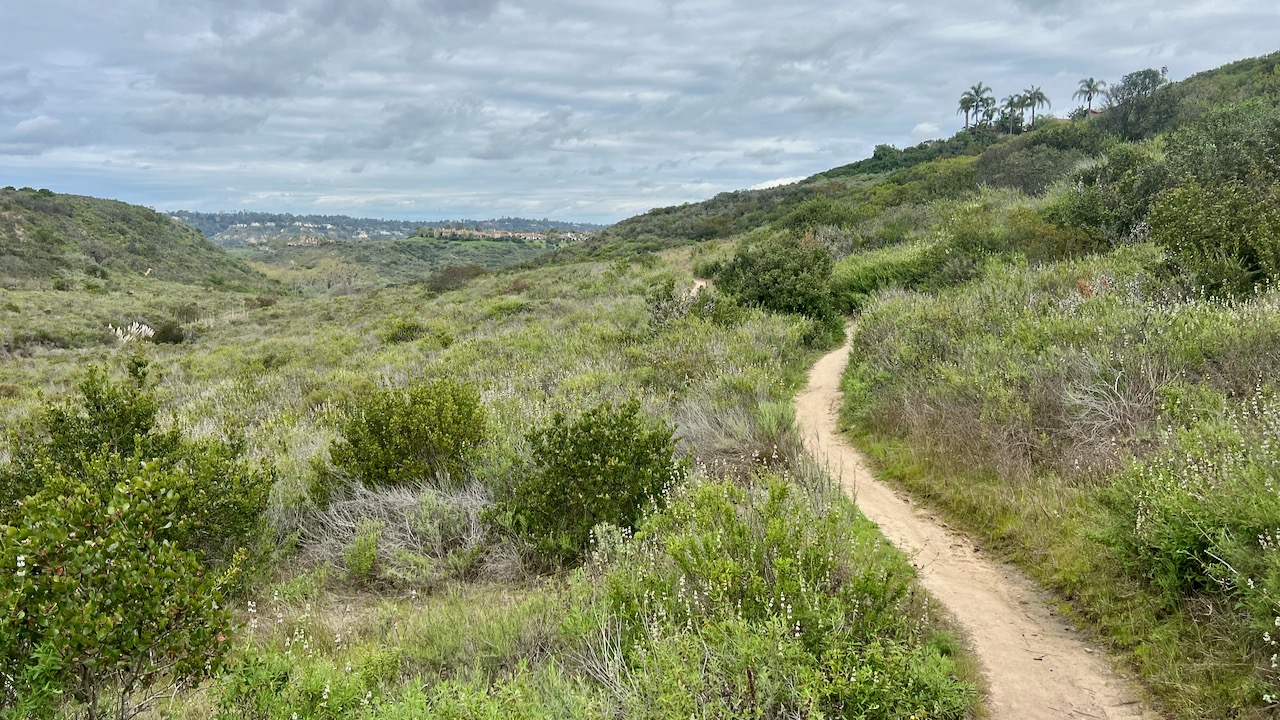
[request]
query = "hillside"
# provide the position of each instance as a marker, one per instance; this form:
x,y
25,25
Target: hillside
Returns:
x,y
343,266
231,229
1067,343
733,213
49,237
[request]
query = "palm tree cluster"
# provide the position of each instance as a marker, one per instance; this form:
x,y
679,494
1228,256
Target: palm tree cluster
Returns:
x,y
980,104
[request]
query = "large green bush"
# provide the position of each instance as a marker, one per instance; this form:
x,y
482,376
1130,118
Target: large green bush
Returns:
x,y
857,277
784,273
1226,236
816,213
1221,224
396,436
607,466
98,600
108,433
1111,198
1238,142
104,417
1024,167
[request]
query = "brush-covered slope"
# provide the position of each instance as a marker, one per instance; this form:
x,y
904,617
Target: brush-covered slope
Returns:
x,y
343,266
1144,106
46,236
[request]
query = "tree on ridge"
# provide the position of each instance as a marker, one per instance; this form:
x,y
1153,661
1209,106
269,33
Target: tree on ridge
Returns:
x,y
1033,97
1089,89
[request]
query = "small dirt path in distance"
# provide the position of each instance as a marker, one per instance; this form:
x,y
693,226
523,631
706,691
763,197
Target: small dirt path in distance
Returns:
x,y
1035,665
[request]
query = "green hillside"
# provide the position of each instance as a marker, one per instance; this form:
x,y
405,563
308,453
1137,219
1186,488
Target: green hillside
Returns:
x,y
49,237
378,263
1169,106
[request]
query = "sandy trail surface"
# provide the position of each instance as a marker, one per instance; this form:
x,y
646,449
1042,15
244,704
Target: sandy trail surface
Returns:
x,y
1035,665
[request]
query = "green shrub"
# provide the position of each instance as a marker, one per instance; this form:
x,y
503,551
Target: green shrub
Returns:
x,y
104,603
1226,237
607,466
403,330
224,498
856,278
1111,198
107,433
391,437
815,213
1080,137
169,332
1239,142
1039,240
105,417
453,277
785,273
1202,513
667,304
1029,169
790,603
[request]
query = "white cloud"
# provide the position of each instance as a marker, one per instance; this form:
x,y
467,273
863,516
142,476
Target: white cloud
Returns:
x,y
925,131
38,128
777,182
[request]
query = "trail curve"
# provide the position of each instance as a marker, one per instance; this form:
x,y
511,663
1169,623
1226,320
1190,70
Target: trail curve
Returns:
x,y
1035,665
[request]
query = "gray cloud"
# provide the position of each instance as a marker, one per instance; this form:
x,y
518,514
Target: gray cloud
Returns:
x,y
767,156
590,110
200,116
550,130
18,91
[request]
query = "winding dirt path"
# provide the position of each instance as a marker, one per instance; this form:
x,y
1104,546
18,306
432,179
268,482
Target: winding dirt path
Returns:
x,y
1035,665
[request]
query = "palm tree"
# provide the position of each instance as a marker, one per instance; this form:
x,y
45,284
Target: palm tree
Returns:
x,y
1035,98
1089,89
988,110
967,105
1012,104
982,97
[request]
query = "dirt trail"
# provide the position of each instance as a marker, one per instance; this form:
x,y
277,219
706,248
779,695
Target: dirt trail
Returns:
x,y
1034,664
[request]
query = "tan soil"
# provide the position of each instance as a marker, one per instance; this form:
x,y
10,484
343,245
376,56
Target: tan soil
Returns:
x,y
1034,663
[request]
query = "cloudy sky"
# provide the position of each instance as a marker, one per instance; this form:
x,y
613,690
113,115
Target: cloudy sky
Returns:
x,y
573,109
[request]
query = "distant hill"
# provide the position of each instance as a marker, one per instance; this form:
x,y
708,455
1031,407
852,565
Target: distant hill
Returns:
x,y
337,266
50,236
231,229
